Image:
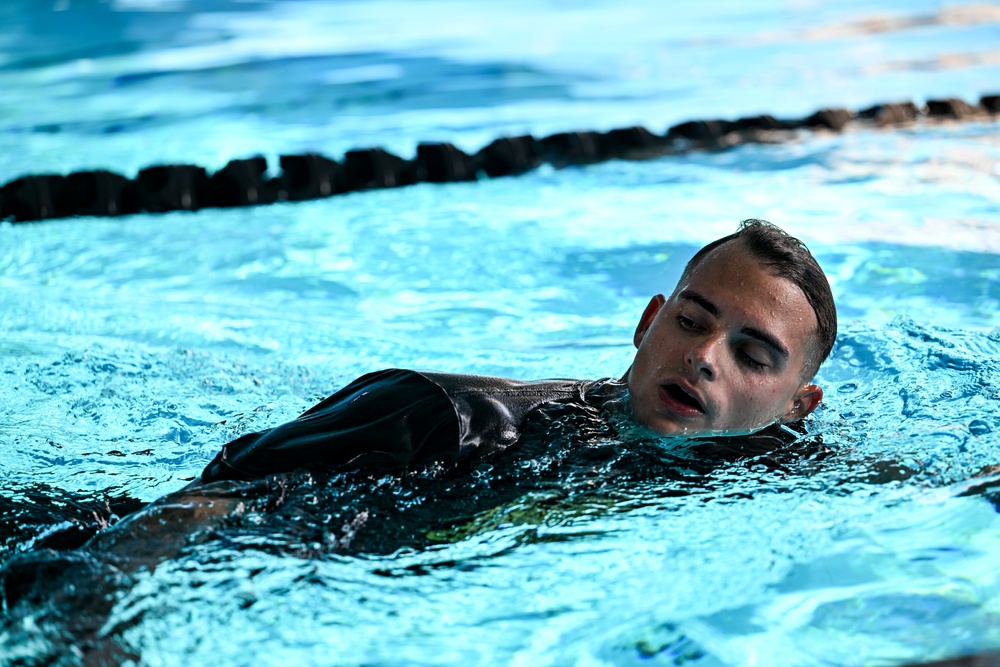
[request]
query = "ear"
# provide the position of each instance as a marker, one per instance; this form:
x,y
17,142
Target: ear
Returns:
x,y
647,318
805,401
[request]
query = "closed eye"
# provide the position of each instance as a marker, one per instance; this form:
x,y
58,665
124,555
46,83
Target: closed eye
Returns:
x,y
750,361
688,324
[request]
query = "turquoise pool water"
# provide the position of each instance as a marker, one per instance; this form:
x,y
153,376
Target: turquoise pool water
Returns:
x,y
134,348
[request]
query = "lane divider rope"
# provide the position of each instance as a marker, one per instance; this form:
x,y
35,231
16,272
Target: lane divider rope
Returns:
x,y
243,182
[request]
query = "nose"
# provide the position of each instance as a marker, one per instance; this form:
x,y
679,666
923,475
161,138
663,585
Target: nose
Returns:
x,y
701,357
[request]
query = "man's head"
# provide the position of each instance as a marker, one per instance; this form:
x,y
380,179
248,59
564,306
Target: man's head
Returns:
x,y
735,346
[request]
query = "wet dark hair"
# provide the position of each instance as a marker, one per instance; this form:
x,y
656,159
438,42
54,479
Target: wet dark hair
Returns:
x,y
786,257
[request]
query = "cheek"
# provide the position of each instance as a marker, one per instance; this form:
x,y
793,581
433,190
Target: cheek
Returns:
x,y
656,353
759,397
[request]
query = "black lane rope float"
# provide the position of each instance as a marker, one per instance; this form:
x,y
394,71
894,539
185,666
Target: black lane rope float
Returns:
x,y
243,182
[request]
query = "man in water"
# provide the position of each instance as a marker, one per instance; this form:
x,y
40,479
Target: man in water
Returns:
x,y
731,351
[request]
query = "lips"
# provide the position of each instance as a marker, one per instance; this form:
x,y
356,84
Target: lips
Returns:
x,y
681,400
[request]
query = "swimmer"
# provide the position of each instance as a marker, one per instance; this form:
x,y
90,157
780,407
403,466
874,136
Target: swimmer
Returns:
x,y
730,352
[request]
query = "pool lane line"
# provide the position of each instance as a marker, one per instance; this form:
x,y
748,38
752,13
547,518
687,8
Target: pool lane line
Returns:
x,y
243,182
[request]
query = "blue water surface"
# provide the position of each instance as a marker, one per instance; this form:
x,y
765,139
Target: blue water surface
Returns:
x,y
133,348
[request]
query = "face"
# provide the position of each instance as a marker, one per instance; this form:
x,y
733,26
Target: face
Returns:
x,y
725,352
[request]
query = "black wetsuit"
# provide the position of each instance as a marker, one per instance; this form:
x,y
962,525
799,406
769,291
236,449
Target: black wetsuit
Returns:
x,y
401,417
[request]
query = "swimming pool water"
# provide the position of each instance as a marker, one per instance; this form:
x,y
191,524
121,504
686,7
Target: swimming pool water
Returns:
x,y
134,348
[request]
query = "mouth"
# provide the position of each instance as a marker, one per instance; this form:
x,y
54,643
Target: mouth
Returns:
x,y
680,400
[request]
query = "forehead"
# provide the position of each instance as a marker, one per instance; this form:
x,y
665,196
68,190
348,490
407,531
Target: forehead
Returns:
x,y
745,290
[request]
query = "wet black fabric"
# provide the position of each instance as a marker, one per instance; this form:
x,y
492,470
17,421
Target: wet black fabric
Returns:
x,y
400,417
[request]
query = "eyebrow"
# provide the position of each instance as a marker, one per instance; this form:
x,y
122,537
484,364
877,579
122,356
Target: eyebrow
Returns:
x,y
763,336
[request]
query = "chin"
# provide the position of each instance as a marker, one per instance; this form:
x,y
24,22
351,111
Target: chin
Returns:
x,y
665,426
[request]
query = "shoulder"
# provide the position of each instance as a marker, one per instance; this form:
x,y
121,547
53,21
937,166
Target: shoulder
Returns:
x,y
466,385
390,381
